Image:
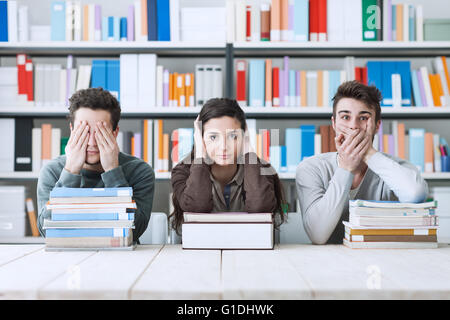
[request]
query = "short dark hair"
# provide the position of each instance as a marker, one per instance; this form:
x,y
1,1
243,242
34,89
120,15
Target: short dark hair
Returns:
x,y
369,95
95,99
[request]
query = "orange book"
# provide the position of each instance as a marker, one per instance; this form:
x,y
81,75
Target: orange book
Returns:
x,y
440,88
166,152
160,143
259,145
145,141
46,143
447,76
132,147
320,88
303,88
268,92
399,19
266,144
275,16
429,153
175,89
191,90
85,23
284,19
144,28
401,140
187,87
435,90
385,143
32,217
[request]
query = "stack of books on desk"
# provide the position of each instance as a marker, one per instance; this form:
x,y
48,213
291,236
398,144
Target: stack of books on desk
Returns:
x,y
90,218
379,224
227,230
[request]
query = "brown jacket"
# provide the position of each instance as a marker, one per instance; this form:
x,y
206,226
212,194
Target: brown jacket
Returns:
x,y
192,186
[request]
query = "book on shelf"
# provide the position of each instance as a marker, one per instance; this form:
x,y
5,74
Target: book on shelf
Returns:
x,y
231,230
86,218
391,224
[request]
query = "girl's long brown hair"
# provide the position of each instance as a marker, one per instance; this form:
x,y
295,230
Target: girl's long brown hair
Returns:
x,y
216,108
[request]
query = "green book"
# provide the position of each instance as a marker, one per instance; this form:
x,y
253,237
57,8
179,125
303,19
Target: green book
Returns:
x,y
64,141
371,20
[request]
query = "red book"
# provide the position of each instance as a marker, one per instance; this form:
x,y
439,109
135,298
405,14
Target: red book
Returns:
x,y
358,74
241,70
313,20
248,13
22,84
364,75
322,17
175,147
266,145
276,87
29,79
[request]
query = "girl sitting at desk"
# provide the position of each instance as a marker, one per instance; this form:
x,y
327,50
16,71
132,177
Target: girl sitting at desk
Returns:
x,y
223,173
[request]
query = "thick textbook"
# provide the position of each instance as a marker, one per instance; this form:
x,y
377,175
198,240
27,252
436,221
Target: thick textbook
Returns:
x,y
51,224
227,235
91,192
391,204
87,232
389,230
92,242
390,238
231,217
390,245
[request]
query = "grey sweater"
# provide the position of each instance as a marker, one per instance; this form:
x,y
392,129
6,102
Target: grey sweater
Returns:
x,y
324,191
131,172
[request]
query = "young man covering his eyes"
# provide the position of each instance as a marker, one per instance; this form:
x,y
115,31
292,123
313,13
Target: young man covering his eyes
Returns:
x,y
325,183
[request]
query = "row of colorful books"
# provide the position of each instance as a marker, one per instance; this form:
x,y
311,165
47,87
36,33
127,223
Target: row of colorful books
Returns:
x,y
145,20
322,20
260,84
93,218
378,224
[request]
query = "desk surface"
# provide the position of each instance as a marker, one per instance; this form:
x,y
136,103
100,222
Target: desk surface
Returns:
x,y
168,272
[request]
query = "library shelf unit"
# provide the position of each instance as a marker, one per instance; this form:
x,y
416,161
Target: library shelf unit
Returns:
x,y
229,52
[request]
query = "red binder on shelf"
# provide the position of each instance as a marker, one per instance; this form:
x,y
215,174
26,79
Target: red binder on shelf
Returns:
x,y
241,70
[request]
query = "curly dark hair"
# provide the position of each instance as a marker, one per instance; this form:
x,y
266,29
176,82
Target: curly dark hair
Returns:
x,y
369,95
95,98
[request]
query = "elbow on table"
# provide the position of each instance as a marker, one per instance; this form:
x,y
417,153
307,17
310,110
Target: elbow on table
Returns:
x,y
419,194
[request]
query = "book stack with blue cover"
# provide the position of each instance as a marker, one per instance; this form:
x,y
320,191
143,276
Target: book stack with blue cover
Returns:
x,y
390,224
90,218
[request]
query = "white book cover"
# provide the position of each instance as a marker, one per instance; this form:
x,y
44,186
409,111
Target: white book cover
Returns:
x,y
147,80
311,88
251,125
199,83
76,21
188,81
36,148
427,86
119,140
128,80
23,27
208,83
56,142
39,85
350,68
149,141
73,82
352,20
436,153
7,132
396,90
91,22
12,21
69,21
343,77
166,82
240,21
62,87
406,22
174,20
326,88
231,23
55,85
227,236
419,22
394,126
217,82
159,85
317,144
47,97
387,19
137,21
255,19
